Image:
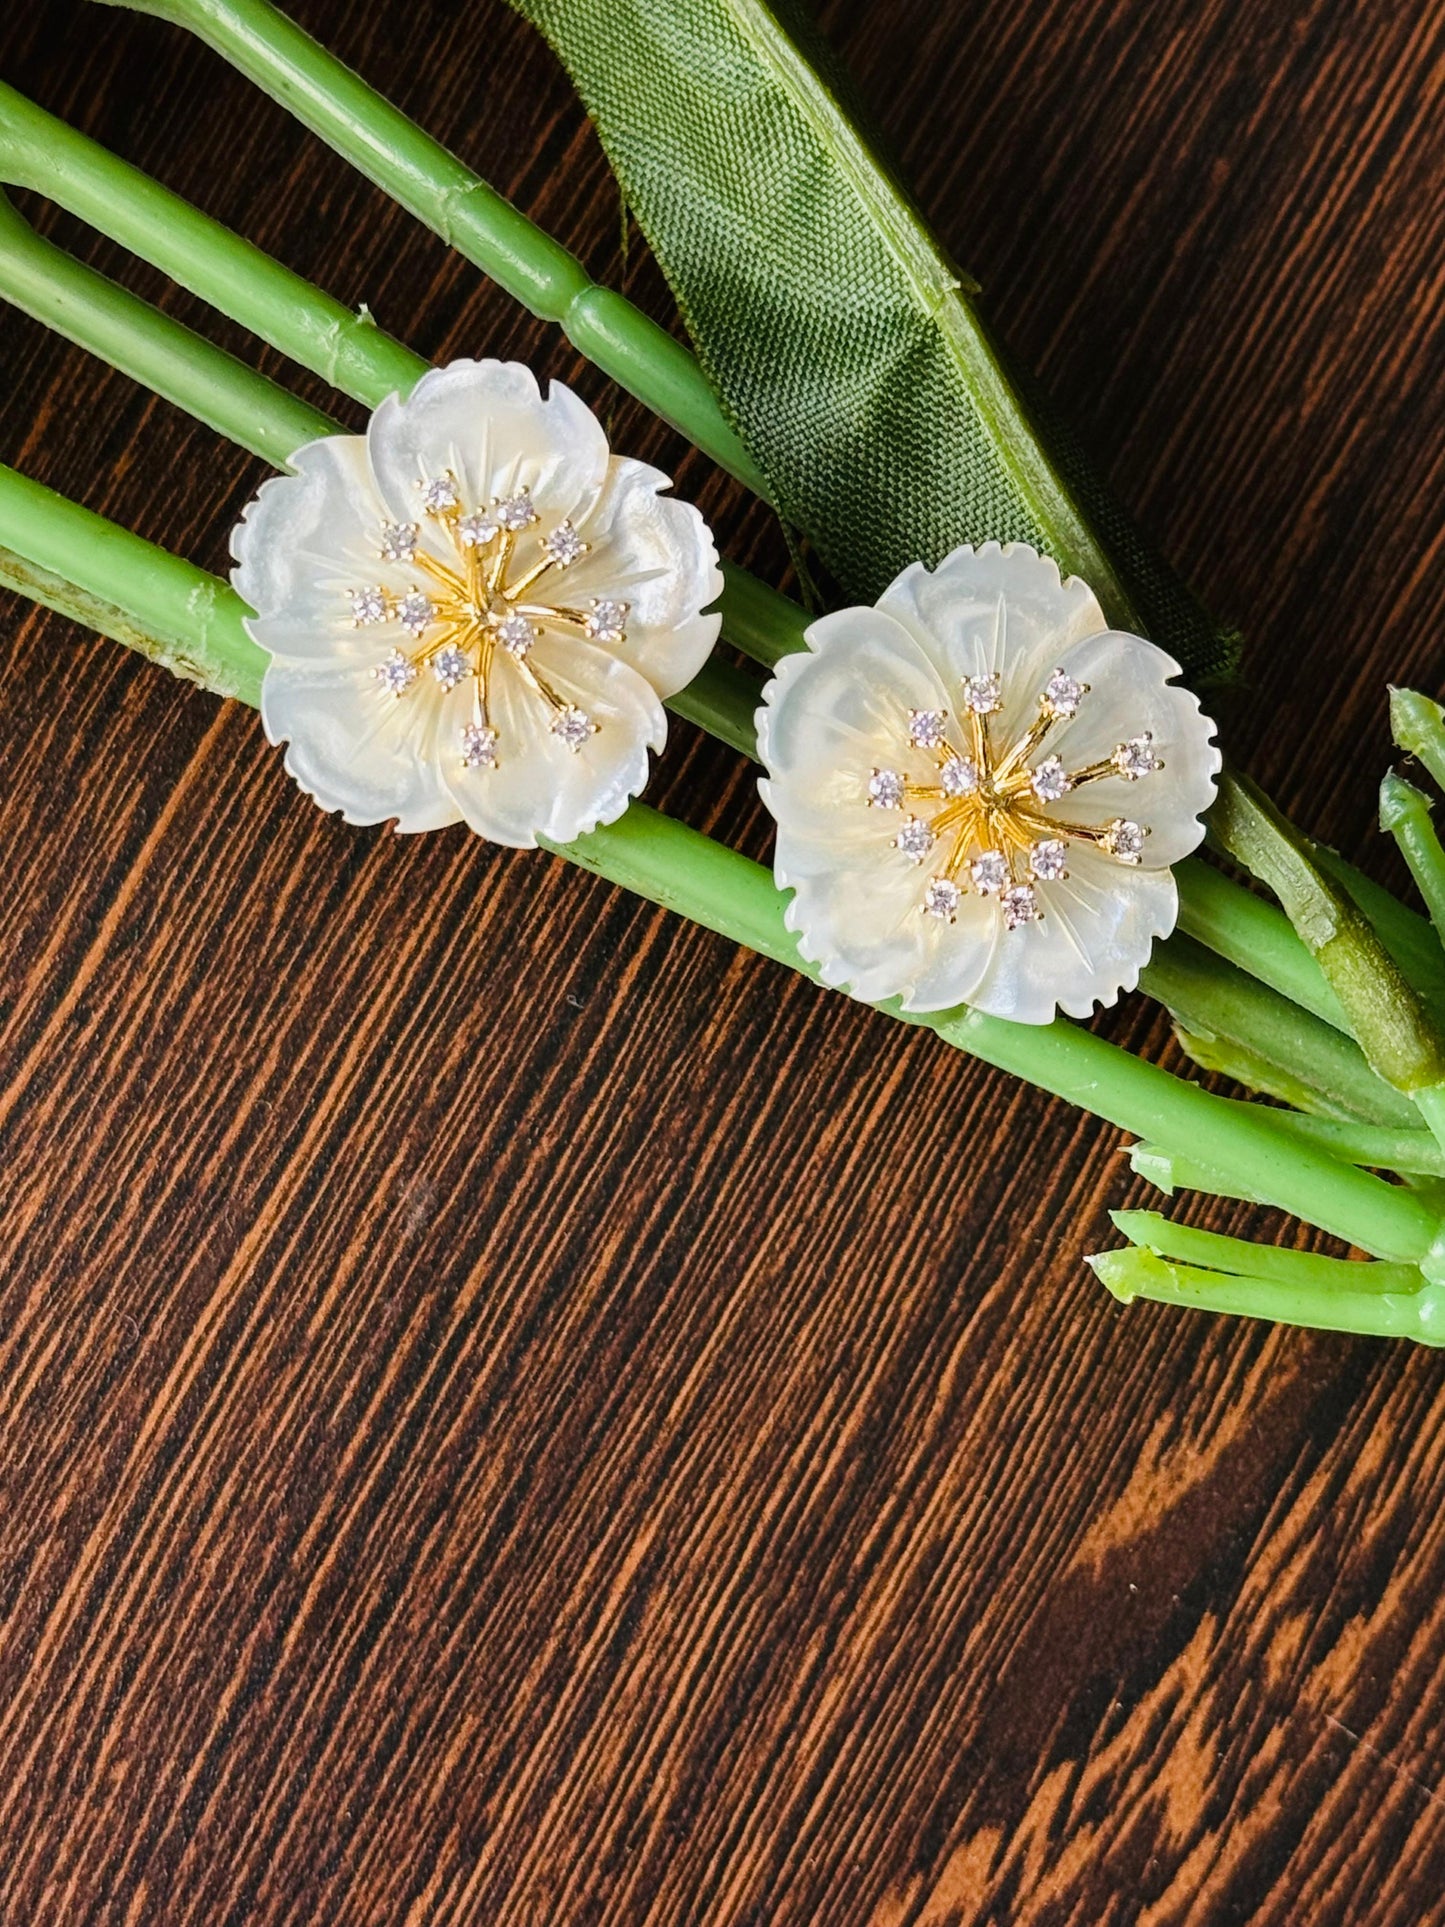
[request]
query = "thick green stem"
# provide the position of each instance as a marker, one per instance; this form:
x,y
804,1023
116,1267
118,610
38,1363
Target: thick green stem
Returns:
x,y
1277,1263
1405,815
40,152
1213,1002
1409,937
715,886
1255,935
1386,1017
1379,1148
163,355
1417,1315
433,184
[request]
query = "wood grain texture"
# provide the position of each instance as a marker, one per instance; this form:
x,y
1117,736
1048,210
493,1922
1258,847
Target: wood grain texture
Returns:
x,y
514,1414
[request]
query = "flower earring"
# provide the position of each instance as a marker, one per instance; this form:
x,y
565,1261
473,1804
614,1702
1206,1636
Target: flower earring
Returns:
x,y
474,610
980,789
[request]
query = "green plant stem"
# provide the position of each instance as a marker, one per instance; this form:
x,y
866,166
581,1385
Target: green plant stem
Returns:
x,y
38,151
1218,1002
1417,1315
1409,938
200,619
1418,726
1385,1015
1254,935
1405,815
1225,1058
1276,1263
448,197
1171,1171
161,354
1379,1148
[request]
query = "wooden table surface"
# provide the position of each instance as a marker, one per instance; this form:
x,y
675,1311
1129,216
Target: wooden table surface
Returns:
x,y
514,1413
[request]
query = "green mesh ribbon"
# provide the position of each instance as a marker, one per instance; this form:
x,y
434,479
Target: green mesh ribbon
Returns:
x,y
843,345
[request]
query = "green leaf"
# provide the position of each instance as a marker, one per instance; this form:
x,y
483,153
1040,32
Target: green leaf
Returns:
x,y
843,344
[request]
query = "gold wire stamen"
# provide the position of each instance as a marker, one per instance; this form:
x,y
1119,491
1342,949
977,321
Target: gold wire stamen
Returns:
x,y
472,598
998,823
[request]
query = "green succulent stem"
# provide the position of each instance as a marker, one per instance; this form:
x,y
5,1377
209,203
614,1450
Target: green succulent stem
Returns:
x,y
1326,1305
1289,1048
1412,1152
1418,726
1405,815
1276,1264
1386,1017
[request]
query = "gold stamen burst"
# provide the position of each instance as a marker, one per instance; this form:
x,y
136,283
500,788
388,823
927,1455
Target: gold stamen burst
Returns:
x,y
466,617
991,829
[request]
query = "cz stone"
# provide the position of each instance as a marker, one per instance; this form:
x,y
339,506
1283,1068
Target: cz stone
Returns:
x,y
450,665
398,541
397,674
1020,906
1136,758
606,621
925,728
885,789
573,726
941,899
983,694
1048,860
368,605
1050,781
990,873
1062,694
915,839
959,776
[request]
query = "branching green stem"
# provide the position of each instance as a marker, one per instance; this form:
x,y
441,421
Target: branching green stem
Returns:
x,y
1213,1001
1412,1152
1417,1315
1405,814
1276,1263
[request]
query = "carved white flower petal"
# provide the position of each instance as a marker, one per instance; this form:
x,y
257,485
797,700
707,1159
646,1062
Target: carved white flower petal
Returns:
x,y
847,708
541,786
1141,700
1095,936
831,715
488,425
354,748
995,609
306,540
656,554
339,595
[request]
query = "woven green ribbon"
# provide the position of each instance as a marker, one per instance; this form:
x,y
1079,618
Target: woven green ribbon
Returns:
x,y
843,345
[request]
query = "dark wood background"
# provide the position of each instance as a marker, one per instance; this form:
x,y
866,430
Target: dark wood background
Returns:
x,y
516,1414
